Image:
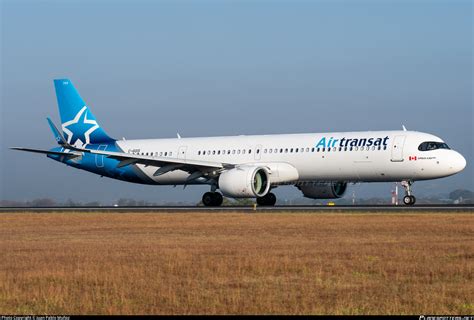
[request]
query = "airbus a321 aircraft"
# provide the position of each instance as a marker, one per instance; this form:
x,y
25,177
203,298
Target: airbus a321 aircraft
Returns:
x,y
319,164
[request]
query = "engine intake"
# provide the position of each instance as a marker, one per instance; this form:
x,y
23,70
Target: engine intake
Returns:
x,y
332,190
245,182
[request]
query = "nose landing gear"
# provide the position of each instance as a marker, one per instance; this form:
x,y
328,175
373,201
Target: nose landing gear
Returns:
x,y
408,199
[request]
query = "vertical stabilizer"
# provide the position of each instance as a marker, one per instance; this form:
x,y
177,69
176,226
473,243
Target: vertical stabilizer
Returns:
x,y
79,125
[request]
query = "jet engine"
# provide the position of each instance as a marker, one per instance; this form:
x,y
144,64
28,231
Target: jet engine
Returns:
x,y
324,191
245,182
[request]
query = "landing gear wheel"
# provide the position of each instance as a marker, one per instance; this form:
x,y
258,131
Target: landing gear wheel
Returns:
x,y
218,199
409,200
207,199
212,199
267,200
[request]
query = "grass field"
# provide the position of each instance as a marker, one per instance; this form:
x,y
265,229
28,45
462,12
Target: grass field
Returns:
x,y
232,263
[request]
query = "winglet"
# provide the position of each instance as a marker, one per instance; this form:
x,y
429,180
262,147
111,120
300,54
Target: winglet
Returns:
x,y
57,134
404,129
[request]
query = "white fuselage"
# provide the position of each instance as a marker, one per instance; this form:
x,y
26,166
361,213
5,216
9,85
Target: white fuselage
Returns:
x,y
347,156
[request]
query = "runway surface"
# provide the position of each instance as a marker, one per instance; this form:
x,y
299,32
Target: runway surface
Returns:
x,y
335,208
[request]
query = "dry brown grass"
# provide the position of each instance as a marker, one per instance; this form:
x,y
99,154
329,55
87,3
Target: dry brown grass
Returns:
x,y
230,263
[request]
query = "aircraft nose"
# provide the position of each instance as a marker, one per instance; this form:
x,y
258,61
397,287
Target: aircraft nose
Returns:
x,y
458,162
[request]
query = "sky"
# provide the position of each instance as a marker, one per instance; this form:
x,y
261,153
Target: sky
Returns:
x,y
150,69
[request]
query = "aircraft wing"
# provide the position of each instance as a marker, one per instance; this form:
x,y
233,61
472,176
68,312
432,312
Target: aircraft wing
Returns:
x,y
128,158
195,167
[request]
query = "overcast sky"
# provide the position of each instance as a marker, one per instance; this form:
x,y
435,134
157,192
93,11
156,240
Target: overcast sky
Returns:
x,y
149,69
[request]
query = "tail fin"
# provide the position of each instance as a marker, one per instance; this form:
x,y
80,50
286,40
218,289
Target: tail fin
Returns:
x,y
78,123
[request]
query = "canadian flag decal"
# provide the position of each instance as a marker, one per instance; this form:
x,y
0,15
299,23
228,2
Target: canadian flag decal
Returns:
x,y
412,158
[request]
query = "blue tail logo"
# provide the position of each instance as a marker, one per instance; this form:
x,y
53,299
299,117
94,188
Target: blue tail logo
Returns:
x,y
79,129
78,123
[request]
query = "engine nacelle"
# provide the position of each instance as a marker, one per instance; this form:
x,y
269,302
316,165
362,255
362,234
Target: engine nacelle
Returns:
x,y
324,191
245,182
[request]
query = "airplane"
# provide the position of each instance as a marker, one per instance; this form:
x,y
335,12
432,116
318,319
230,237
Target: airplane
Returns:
x,y
320,165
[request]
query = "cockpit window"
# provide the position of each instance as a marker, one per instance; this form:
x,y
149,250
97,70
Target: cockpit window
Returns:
x,y
431,145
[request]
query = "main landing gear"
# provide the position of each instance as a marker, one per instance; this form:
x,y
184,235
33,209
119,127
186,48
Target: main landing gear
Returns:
x,y
408,199
212,199
267,200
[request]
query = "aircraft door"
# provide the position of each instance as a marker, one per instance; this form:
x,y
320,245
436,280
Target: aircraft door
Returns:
x,y
99,159
182,152
397,148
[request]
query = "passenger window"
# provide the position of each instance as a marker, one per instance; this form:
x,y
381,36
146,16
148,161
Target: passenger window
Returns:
x,y
317,150
166,154
161,153
243,151
302,150
296,150
307,149
171,153
213,151
265,151
250,151
238,151
286,150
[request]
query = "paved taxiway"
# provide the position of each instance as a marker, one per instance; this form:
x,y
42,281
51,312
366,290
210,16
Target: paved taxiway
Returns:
x,y
340,208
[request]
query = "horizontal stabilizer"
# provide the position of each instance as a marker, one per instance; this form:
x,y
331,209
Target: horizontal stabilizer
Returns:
x,y
73,154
